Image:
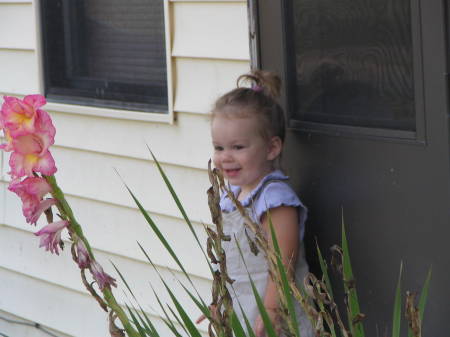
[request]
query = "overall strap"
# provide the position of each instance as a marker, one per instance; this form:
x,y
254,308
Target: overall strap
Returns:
x,y
266,183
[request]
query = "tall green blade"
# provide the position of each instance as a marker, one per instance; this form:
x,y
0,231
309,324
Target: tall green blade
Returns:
x,y
422,301
324,269
270,330
177,201
190,326
236,326
326,278
396,320
286,287
167,320
123,280
140,329
424,295
250,332
178,319
156,230
355,327
154,332
203,308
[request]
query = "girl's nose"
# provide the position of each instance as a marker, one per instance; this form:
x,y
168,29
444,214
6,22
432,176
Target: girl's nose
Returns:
x,y
226,156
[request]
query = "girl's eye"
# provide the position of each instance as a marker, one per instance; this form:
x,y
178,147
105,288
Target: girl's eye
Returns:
x,y
238,147
218,148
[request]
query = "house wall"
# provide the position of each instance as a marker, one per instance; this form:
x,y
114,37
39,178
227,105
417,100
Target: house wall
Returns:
x,y
208,50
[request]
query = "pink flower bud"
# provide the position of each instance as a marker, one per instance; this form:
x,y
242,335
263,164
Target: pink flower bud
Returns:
x,y
103,280
83,258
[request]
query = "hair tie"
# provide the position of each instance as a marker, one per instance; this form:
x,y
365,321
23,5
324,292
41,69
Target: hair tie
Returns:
x,y
257,88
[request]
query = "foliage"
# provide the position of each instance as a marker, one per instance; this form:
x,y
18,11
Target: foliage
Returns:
x,y
29,133
316,297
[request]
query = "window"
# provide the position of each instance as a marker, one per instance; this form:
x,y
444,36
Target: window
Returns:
x,y
106,53
347,64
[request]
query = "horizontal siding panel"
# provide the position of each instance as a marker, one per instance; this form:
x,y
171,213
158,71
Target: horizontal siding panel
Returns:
x,y
29,330
21,255
72,313
18,21
104,224
93,176
211,30
19,72
201,81
187,143
59,308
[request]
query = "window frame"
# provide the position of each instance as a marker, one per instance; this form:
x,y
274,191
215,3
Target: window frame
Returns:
x,y
81,106
272,50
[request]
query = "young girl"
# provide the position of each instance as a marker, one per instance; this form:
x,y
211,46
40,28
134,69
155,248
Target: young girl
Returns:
x,y
248,131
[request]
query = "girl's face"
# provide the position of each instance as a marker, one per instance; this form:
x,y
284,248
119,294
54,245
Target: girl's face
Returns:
x,y
241,153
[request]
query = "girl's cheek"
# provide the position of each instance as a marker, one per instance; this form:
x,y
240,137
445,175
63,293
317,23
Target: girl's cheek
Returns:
x,y
215,160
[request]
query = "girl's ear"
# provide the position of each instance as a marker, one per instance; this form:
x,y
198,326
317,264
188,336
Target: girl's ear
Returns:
x,y
274,148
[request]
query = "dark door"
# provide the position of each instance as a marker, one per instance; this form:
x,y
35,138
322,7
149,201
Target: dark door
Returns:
x,y
367,101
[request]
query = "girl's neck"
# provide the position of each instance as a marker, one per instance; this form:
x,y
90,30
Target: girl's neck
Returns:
x,y
244,192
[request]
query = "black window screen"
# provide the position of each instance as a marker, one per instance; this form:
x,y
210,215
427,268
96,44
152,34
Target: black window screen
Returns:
x,y
105,53
353,62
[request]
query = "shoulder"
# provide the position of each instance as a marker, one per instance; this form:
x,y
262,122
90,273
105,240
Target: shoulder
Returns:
x,y
275,194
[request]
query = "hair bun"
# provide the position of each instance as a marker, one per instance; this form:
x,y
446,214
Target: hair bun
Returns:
x,y
262,81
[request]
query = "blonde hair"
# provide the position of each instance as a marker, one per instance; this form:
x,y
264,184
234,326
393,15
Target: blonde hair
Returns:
x,y
259,100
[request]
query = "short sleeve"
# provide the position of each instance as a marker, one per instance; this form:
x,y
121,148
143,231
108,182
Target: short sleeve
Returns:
x,y
276,194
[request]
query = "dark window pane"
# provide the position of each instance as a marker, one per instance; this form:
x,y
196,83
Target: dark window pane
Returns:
x,y
353,61
106,52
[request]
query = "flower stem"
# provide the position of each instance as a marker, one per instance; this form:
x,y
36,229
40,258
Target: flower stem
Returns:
x,y
74,227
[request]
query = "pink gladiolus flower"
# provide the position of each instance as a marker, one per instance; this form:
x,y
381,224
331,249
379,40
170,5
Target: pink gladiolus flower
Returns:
x,y
103,279
83,258
8,146
51,236
31,191
26,164
18,116
31,150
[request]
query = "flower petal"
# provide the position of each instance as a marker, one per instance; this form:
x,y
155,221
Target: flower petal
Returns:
x,y
34,216
103,279
51,236
83,258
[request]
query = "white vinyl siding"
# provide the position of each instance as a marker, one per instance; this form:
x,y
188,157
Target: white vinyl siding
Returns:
x,y
209,49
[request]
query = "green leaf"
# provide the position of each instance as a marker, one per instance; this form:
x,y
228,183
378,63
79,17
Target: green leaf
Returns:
x,y
353,310
236,326
166,320
203,308
270,330
283,274
424,295
324,269
123,279
161,238
178,319
248,326
397,313
190,326
141,330
326,278
150,325
177,201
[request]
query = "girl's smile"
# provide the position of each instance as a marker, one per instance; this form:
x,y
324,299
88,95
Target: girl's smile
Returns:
x,y
241,153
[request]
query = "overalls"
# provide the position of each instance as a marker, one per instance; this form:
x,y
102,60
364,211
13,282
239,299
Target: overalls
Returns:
x,y
241,290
